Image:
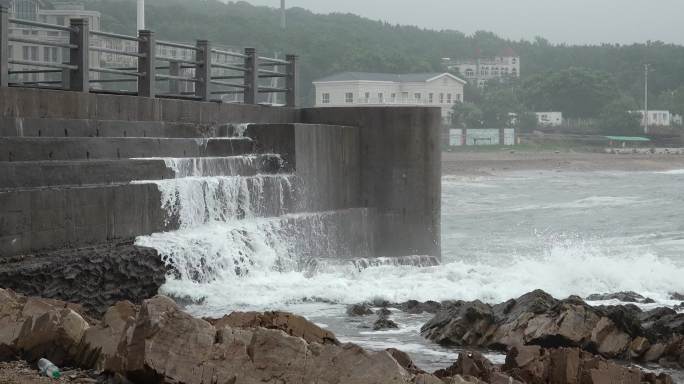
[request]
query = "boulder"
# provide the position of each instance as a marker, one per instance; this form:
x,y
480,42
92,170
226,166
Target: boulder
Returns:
x,y
638,347
461,323
609,339
104,345
168,345
356,310
416,307
384,323
34,328
291,324
469,364
404,360
677,296
627,297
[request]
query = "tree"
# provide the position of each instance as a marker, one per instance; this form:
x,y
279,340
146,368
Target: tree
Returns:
x,y
577,92
527,121
466,115
616,118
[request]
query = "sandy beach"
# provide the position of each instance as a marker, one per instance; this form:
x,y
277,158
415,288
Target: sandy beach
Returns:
x,y
469,163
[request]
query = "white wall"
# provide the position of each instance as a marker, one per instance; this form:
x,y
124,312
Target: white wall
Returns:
x,y
549,119
404,93
481,137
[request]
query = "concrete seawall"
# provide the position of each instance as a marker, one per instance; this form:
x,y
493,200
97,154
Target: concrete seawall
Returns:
x,y
75,162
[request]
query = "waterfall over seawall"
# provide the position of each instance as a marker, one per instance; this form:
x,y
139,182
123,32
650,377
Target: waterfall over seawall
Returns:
x,y
234,216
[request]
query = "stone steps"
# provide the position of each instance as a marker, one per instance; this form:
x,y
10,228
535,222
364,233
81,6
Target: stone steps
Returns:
x,y
86,148
45,218
31,174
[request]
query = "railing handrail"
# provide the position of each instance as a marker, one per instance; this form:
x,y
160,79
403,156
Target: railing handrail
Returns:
x,y
32,23
208,76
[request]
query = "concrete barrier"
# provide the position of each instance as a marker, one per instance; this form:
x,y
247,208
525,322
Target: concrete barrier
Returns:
x,y
400,172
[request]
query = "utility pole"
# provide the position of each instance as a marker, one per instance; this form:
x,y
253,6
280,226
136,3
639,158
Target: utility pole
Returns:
x,y
141,16
283,18
646,68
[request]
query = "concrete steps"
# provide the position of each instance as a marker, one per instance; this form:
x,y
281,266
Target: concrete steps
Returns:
x,y
32,174
86,148
39,127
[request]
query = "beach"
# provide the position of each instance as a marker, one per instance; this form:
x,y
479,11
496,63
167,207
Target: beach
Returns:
x,y
497,161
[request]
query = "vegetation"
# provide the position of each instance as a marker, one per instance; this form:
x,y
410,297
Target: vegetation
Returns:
x,y
581,81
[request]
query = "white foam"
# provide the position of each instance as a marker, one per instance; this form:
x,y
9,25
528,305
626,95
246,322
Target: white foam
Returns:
x,y
562,271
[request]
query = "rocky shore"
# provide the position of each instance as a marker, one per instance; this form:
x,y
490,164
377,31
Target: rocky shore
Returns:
x,y
547,341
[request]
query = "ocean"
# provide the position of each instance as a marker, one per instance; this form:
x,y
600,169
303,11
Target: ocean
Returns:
x,y
502,236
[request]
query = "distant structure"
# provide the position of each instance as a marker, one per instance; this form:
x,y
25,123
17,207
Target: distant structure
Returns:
x,y
479,71
283,17
141,15
658,118
52,13
361,88
549,119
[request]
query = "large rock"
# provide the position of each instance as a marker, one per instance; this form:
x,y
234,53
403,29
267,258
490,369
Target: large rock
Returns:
x,y
627,297
536,318
34,328
104,345
170,345
291,324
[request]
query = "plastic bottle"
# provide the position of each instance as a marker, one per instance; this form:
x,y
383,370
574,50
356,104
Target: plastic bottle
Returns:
x,y
48,369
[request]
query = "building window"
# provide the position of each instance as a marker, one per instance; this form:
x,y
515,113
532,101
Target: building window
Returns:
x,y
381,98
46,54
417,95
61,20
10,51
326,98
25,52
349,98
394,96
514,60
441,98
431,98
34,53
514,72
448,98
367,97
459,97
469,73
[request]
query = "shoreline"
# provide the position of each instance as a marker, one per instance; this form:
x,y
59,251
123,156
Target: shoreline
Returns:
x,y
504,161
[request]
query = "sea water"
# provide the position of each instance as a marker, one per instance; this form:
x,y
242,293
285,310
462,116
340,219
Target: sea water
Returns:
x,y
502,236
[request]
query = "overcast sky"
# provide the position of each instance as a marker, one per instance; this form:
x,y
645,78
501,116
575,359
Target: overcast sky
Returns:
x,y
568,21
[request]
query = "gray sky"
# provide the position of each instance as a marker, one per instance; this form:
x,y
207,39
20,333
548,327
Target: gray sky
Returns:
x,y
569,21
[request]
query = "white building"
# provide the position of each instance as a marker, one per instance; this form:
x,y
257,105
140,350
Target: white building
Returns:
x,y
58,13
549,119
656,118
359,88
478,71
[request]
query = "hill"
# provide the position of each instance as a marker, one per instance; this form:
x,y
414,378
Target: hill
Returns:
x,y
344,42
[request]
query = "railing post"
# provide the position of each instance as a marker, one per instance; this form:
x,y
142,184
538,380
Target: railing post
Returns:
x,y
174,85
291,81
251,76
203,71
79,78
4,47
147,66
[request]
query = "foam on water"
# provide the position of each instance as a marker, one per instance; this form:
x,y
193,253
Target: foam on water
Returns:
x,y
563,271
672,172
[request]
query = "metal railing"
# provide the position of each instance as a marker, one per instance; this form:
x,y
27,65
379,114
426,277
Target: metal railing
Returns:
x,y
212,74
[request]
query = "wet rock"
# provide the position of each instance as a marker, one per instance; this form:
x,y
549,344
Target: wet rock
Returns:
x,y
458,379
291,324
384,323
461,323
627,297
654,352
383,312
536,318
470,363
356,310
416,307
425,378
677,296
